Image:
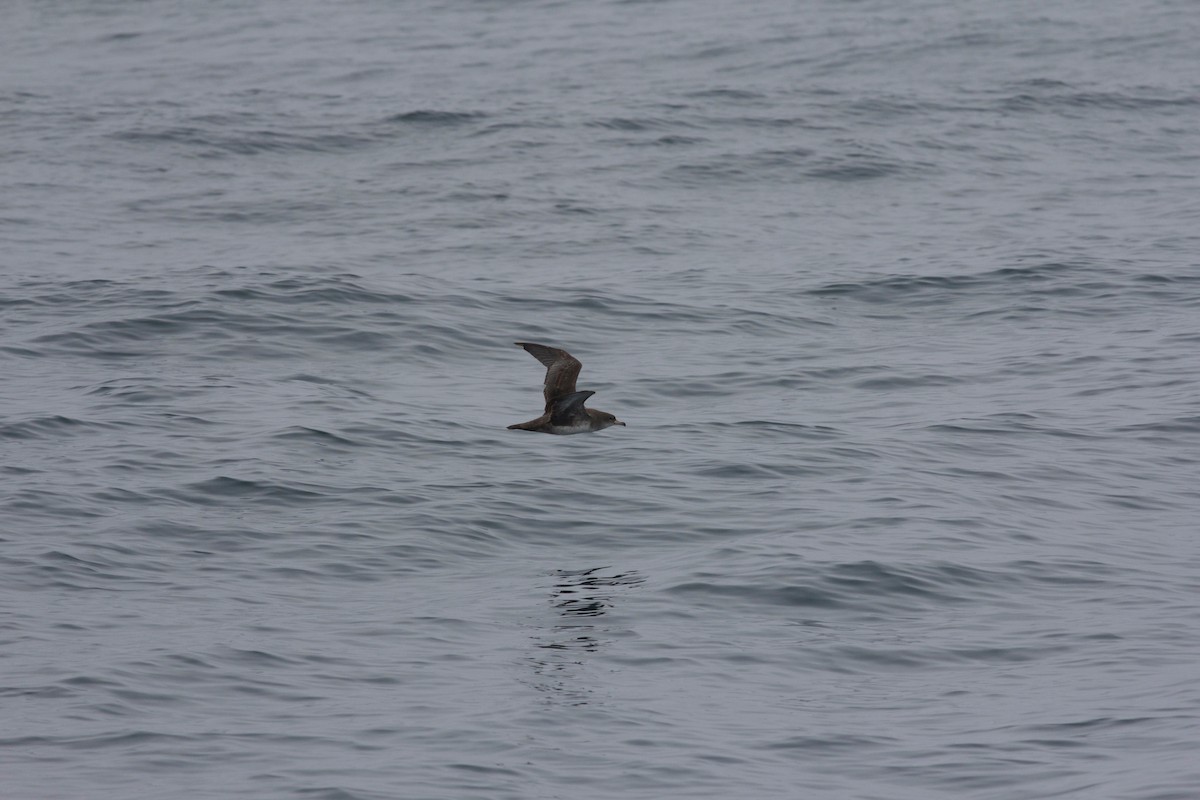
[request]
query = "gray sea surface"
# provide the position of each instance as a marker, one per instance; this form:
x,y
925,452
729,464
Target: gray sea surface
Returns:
x,y
900,302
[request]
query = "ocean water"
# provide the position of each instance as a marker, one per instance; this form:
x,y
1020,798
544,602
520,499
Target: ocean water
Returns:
x,y
900,302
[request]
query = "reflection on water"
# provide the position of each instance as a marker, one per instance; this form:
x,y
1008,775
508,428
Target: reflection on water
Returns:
x,y
581,598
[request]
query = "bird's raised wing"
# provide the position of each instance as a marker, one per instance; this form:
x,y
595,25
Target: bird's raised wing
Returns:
x,y
561,370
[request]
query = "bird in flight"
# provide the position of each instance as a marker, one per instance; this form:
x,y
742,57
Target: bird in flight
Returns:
x,y
564,413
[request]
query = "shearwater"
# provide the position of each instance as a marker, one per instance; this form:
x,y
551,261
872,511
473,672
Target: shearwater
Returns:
x,y
565,413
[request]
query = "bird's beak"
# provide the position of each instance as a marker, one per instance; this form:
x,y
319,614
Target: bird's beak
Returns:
x,y
622,424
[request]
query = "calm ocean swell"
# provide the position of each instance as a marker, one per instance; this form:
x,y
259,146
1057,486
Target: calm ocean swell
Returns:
x,y
898,304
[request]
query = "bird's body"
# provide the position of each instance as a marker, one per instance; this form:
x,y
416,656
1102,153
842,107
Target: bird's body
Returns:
x,y
565,413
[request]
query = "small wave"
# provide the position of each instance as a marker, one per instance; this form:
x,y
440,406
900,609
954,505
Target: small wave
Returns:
x,y
1182,424
676,140
218,141
726,94
227,489
910,382
436,118
50,426
794,164
1059,101
858,167
765,428
636,124
883,588
336,289
1012,425
1053,278
225,319
827,744
324,439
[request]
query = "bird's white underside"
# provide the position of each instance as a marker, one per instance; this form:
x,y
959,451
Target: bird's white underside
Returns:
x,y
564,430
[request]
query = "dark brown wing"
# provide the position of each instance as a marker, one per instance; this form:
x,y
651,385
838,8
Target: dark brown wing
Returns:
x,y
561,370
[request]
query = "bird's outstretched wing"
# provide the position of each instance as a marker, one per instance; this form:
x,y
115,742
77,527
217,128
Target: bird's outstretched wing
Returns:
x,y
561,371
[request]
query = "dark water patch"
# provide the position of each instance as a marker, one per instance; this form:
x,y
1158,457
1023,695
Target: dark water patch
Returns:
x,y
330,290
119,741
1181,424
253,658
95,337
609,304
176,422
315,436
339,793
354,340
717,172
45,505
477,196
1086,725
203,538
1057,101
143,699
730,383
986,474
117,496
220,141
57,568
881,109
222,331
123,36
957,429
265,352
791,165
1166,280
676,140
711,593
855,658
743,471
575,207
54,426
637,124
20,352
932,582
840,160
262,211
225,489
436,118
141,390
1043,501
913,382
831,744
333,383
860,167
497,128
881,588
617,309
98,292
726,93
1006,427
1072,572
15,470
1024,312
317,571
36,693
1048,279
1138,502
770,429
387,435
742,122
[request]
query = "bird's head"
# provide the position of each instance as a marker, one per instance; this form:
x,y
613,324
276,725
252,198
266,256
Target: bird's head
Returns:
x,y
608,420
